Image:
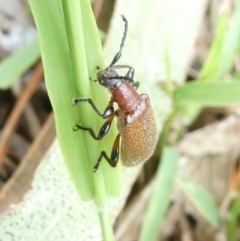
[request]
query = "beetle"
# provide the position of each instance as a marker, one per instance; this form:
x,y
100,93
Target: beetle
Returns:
x,y
135,118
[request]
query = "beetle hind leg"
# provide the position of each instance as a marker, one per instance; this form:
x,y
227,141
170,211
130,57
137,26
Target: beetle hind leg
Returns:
x,y
113,160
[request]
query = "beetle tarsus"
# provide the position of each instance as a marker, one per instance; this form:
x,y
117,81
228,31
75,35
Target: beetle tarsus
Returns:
x,y
90,130
93,80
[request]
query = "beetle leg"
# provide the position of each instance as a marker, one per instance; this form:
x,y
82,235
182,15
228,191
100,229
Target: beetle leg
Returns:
x,y
127,79
113,160
135,85
102,132
122,66
130,73
93,80
109,111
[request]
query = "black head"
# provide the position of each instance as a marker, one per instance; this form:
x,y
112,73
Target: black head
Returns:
x,y
109,78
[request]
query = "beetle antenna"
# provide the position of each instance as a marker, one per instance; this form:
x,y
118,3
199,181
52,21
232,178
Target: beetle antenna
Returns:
x,y
119,53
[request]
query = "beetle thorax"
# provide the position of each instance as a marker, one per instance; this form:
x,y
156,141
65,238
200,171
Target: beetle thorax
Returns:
x,y
126,97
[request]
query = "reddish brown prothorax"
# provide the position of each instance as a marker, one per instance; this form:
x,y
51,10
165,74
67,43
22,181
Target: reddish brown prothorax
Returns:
x,y
126,97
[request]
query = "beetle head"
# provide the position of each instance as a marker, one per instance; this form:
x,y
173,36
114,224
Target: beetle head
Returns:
x,y
106,78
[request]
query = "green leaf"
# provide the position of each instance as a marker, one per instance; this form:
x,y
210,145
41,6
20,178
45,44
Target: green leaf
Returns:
x,y
232,222
71,50
201,199
231,44
211,65
224,48
162,194
208,94
219,62
18,63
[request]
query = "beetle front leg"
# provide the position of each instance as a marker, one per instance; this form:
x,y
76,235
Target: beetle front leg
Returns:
x,y
129,75
113,160
109,111
95,80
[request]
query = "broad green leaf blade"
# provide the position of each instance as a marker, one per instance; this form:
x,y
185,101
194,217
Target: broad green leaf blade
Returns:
x,y
18,63
161,197
111,176
68,59
201,199
208,94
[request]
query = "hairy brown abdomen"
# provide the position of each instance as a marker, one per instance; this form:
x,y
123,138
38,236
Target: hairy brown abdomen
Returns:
x,y
139,136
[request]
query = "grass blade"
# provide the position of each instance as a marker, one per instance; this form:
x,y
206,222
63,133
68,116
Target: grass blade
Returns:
x,y
161,197
211,65
18,63
201,199
232,222
231,44
208,94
